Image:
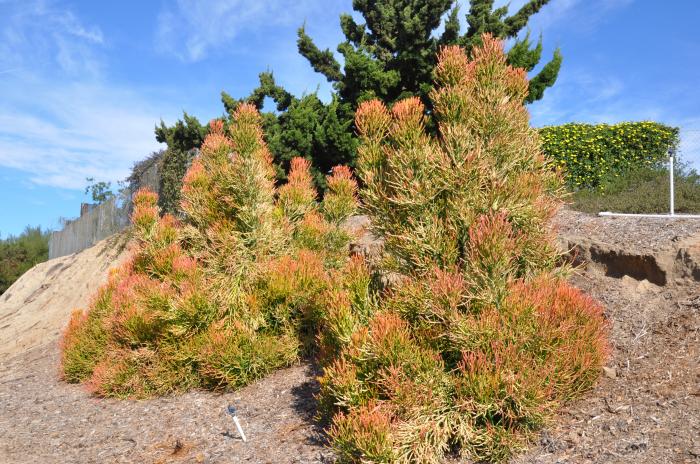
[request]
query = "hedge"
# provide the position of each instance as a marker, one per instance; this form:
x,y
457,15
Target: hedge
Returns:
x,y
591,153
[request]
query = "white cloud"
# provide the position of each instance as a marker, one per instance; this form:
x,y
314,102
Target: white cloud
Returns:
x,y
64,133
580,95
190,29
72,25
61,120
37,34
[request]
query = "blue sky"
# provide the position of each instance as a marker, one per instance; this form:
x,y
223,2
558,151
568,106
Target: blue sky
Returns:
x,y
82,83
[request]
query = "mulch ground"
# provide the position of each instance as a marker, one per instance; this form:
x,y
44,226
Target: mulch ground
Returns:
x,y
44,420
645,409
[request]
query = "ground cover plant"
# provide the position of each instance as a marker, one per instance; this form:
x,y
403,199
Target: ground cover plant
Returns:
x,y
481,338
229,292
643,190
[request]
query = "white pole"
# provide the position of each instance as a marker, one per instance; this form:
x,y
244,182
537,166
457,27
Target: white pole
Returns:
x,y
670,156
231,410
240,429
671,202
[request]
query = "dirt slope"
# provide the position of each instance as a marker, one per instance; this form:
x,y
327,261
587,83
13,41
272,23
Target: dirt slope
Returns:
x,y
35,309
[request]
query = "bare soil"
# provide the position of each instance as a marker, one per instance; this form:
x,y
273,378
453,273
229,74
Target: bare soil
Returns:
x,y
645,409
634,234
36,308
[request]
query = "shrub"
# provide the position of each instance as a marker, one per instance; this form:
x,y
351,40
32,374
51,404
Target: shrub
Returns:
x,y
21,253
591,153
237,355
227,293
472,347
643,190
480,338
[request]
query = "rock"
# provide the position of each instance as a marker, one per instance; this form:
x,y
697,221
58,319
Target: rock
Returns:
x,y
364,243
610,372
647,287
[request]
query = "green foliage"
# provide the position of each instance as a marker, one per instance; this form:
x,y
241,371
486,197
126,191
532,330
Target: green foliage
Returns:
x,y
182,138
644,190
19,254
391,56
99,191
305,127
591,154
480,339
232,290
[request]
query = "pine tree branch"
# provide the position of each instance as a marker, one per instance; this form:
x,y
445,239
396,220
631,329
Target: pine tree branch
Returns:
x,y
322,61
268,88
515,23
230,103
522,56
451,33
354,32
545,78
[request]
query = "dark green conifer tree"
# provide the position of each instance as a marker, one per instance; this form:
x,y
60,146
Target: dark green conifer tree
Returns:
x,y
303,126
391,55
182,138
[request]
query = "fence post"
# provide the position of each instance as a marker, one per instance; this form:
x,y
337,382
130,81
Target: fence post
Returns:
x,y
671,192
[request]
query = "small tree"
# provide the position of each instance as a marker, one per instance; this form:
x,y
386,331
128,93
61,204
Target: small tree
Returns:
x,y
182,139
305,127
480,339
392,55
99,191
18,254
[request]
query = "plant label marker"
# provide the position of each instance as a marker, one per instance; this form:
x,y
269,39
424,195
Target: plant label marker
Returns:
x,y
231,410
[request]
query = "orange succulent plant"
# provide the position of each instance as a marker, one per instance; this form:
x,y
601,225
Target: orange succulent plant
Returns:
x,y
224,294
480,339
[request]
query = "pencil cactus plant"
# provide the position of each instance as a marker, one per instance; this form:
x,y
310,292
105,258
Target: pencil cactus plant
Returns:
x,y
481,339
228,293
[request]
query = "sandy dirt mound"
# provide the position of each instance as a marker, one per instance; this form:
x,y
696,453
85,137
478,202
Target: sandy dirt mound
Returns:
x,y
36,308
